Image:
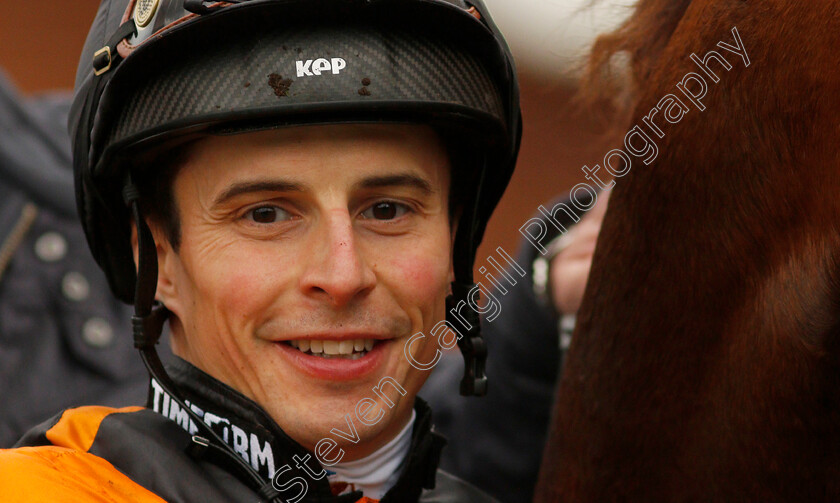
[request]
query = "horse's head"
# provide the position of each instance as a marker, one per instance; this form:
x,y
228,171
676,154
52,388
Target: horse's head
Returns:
x,y
706,363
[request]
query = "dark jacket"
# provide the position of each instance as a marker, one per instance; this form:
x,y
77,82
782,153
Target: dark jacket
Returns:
x,y
148,456
64,340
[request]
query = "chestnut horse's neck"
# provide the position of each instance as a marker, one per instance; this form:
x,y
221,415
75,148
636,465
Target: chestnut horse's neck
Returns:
x,y
706,363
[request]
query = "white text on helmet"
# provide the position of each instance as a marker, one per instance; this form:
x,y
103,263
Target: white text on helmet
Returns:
x,y
320,65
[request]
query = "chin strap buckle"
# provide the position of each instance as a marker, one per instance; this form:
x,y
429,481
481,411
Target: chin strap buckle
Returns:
x,y
147,329
105,58
474,381
102,61
472,345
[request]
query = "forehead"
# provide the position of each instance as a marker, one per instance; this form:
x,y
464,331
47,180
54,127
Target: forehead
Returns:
x,y
345,150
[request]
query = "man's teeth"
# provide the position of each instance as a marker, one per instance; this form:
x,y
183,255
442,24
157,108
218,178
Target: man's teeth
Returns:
x,y
355,348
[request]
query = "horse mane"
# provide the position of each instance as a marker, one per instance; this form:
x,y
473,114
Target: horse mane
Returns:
x,y
706,359
642,37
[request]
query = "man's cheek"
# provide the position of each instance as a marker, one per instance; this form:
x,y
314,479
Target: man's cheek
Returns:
x,y
421,276
240,292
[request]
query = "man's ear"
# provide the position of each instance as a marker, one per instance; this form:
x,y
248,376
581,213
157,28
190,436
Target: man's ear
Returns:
x,y
166,292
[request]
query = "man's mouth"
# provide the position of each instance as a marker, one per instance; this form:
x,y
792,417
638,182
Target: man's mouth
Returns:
x,y
350,349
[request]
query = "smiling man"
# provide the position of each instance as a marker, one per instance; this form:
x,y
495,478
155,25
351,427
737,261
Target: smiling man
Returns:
x,y
299,188
348,233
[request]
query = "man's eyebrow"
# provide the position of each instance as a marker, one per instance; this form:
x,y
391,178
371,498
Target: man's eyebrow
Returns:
x,y
257,186
403,180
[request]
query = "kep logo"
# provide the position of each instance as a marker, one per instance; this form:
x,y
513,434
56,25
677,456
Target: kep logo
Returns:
x,y
319,66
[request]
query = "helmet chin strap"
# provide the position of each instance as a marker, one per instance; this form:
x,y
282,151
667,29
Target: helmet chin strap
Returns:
x,y
147,325
472,345
458,310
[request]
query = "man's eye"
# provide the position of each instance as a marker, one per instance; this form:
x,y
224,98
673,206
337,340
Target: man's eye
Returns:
x,y
267,215
385,210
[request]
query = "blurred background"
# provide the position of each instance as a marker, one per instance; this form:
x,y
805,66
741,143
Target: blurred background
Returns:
x,y
40,42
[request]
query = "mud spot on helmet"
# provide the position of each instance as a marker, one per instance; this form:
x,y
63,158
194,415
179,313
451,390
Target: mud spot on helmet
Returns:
x,y
364,92
279,84
365,81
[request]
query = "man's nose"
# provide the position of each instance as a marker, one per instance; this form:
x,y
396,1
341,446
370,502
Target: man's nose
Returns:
x,y
337,270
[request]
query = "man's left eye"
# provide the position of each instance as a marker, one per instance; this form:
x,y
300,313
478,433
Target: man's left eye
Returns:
x,y
385,210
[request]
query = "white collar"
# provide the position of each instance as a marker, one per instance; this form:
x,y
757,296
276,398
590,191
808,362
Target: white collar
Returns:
x,y
378,472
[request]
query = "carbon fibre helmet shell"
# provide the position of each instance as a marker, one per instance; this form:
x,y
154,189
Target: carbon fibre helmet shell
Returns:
x,y
243,66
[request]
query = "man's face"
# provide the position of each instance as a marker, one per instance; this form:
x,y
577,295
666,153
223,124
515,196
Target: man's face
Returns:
x,y
326,237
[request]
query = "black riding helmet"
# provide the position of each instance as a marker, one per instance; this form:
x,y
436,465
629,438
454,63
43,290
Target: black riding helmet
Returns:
x,y
156,72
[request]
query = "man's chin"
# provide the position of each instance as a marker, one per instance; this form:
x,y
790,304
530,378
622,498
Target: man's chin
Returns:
x,y
337,424
354,403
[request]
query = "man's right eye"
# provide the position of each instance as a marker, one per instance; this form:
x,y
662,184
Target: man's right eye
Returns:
x,y
267,215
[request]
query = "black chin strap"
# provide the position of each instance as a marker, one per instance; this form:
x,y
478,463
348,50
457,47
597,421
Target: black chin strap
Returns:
x,y
471,344
147,324
473,349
